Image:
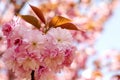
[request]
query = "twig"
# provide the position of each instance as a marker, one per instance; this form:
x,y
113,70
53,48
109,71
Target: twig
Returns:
x,y
32,75
18,8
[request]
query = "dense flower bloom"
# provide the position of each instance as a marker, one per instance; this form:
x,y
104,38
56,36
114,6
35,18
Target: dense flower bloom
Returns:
x,y
33,50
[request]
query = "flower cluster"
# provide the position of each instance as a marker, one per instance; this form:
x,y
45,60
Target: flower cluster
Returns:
x,y
31,52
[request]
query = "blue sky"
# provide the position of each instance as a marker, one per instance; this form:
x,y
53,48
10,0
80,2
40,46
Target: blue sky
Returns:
x,y
110,38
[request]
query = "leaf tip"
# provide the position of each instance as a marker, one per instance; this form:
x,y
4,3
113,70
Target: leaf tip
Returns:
x,y
39,13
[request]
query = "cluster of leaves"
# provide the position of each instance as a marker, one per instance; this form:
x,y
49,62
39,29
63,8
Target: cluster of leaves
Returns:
x,y
57,21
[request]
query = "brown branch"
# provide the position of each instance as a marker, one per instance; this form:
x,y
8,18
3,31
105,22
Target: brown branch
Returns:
x,y
18,8
32,75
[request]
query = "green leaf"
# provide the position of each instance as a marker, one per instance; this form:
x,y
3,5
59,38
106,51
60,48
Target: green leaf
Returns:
x,y
32,20
58,21
39,13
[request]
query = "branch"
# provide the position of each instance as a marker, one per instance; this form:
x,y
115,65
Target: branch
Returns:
x,y
18,8
32,75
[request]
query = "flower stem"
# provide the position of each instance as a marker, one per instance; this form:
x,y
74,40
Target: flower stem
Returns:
x,y
32,75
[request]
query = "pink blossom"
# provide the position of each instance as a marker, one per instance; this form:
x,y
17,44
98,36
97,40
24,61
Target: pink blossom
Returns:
x,y
35,40
44,74
7,29
60,35
29,49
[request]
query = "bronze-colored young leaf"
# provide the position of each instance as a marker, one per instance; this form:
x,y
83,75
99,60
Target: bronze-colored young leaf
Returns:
x,y
39,13
32,20
69,26
58,21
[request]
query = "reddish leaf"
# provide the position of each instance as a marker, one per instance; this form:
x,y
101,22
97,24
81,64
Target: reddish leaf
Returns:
x,y
58,21
69,26
39,13
32,20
